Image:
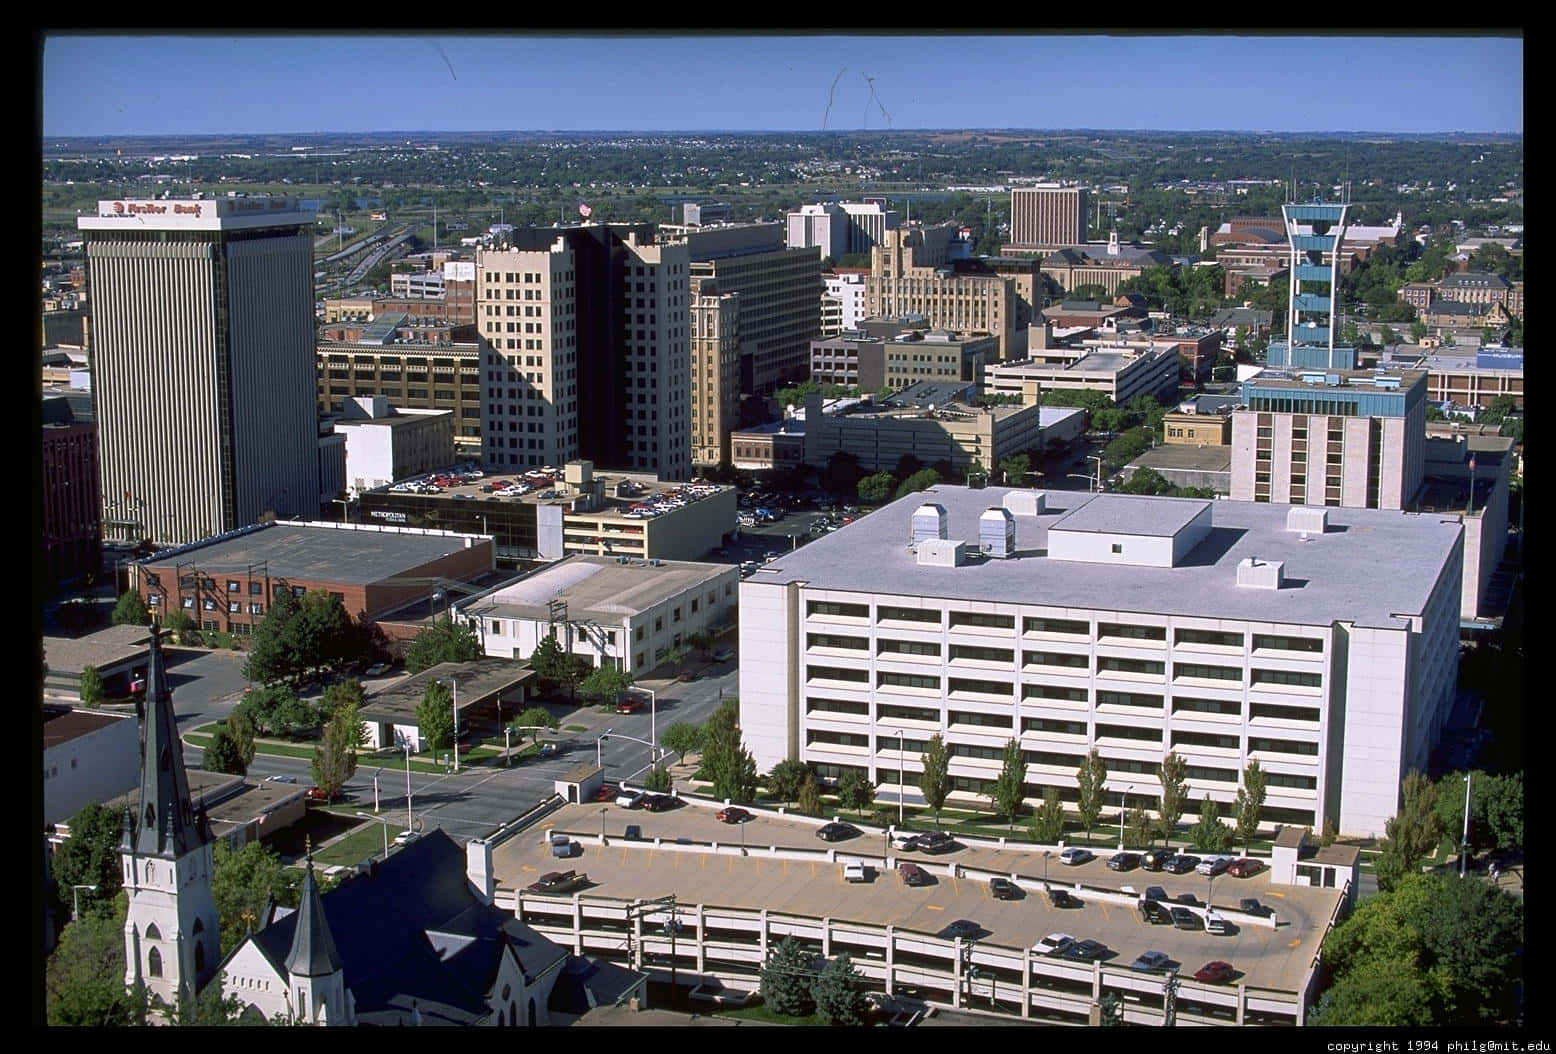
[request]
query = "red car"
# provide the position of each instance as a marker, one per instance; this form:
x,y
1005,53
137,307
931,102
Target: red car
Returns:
x,y
317,794
1244,868
607,792
629,706
732,814
1216,972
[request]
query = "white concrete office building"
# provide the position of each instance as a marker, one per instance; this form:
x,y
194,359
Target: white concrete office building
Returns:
x,y
1321,642
202,342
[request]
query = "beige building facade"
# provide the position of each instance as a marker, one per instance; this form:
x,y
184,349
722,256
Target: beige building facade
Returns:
x,y
715,370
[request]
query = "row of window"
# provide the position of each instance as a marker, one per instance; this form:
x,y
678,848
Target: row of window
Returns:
x,y
1105,663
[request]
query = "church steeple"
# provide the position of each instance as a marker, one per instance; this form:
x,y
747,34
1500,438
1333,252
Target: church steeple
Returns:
x,y
167,824
313,951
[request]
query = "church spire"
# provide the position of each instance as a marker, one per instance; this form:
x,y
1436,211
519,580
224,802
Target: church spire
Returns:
x,y
166,825
313,951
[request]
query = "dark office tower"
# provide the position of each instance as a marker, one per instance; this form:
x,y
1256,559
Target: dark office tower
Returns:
x,y
586,346
1051,217
202,344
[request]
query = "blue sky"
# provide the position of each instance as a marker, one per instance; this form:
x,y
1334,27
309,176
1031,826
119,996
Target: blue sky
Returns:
x,y
157,85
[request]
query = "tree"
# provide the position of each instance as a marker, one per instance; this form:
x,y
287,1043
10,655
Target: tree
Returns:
x,y
1411,834
855,791
877,488
838,993
1015,468
92,690
1210,833
702,640
605,684
923,479
1112,1008
1090,782
1048,818
1010,785
554,666
240,726
241,884
182,628
725,760
783,782
682,737
1175,795
786,979
1329,833
435,716
278,711
272,655
1250,800
222,753
1417,331
842,473
1473,934
335,758
90,857
443,641
84,978
211,1007
809,798
1140,828
531,720
935,781
1146,481
1504,809
130,610
658,780
343,693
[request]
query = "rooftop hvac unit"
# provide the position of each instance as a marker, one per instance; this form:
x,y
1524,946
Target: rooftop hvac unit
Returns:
x,y
997,533
1307,519
1253,573
1026,502
929,521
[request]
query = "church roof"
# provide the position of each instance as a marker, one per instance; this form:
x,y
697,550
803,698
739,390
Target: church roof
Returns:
x,y
313,951
166,824
414,930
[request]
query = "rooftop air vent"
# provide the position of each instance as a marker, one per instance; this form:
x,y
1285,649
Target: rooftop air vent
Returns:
x,y
1253,573
941,552
997,533
1026,502
1307,519
929,522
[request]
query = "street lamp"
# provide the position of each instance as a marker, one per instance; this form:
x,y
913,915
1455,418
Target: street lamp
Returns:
x,y
902,778
653,725
603,737
75,900
384,823
1046,854
1122,809
405,741
454,702
1098,459
375,787
603,811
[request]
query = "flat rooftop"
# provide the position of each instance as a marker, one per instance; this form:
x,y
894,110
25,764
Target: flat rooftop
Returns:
x,y
1369,567
351,553
61,724
477,682
107,647
635,489
1184,457
1128,514
596,587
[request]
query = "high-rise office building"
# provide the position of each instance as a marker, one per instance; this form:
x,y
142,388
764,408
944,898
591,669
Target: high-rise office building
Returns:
x,y
586,334
202,341
715,370
1047,217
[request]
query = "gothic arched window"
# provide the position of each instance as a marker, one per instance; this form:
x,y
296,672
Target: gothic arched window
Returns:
x,y
152,933
154,963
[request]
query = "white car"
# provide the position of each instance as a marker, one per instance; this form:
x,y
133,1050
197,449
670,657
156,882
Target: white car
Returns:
x,y
1212,865
904,840
1075,855
629,799
406,837
854,872
1053,944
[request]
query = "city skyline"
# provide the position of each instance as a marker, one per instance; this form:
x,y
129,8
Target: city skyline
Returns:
x,y
244,84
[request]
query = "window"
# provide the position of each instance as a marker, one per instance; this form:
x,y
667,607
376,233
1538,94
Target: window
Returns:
x,y
1211,673
694,605
1283,713
1117,547
1134,666
153,961
233,606
827,607
1283,746
907,615
965,684
1150,735
1292,677
153,579
256,609
837,673
1204,739
187,602
1051,691
208,604
908,647
836,706
1117,629
233,585
982,620
638,634
825,640
906,713
966,651
154,601
675,615
902,680
1043,724
1206,706
1153,702
1073,627
1304,644
1207,636
1055,658
256,589
659,624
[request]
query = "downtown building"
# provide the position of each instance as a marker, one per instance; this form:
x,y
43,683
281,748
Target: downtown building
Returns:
x,y
202,342
925,271
1322,643
1046,218
586,344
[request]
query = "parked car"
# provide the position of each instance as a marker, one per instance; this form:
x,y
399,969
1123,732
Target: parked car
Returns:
x,y
913,875
1075,855
1185,898
1155,912
1250,906
557,882
1060,898
660,802
1180,864
1123,861
630,706
836,832
1154,859
1085,951
317,794
1215,972
549,750
565,848
1244,867
377,669
280,779
936,842
723,655
1185,919
1212,865
963,928
633,833
1004,889
1053,944
629,799
607,792
406,837
855,872
904,841
1155,893
732,814
1219,926
1151,961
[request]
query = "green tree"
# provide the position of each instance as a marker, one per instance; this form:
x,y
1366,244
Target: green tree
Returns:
x,y
1504,809
272,654
531,720
343,693
90,857
1379,993
1250,801
181,628
1210,833
1112,1008
210,1008
855,791
784,781
838,993
1411,834
1048,818
683,737
1417,331
1014,469
1141,831
935,781
443,641
84,978
1175,795
1090,783
726,762
435,716
605,684
1146,481
923,479
130,610
222,753
1329,833
1010,785
658,780
808,801
241,884
277,711
335,758
241,727
1473,934
92,690
877,488
786,979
